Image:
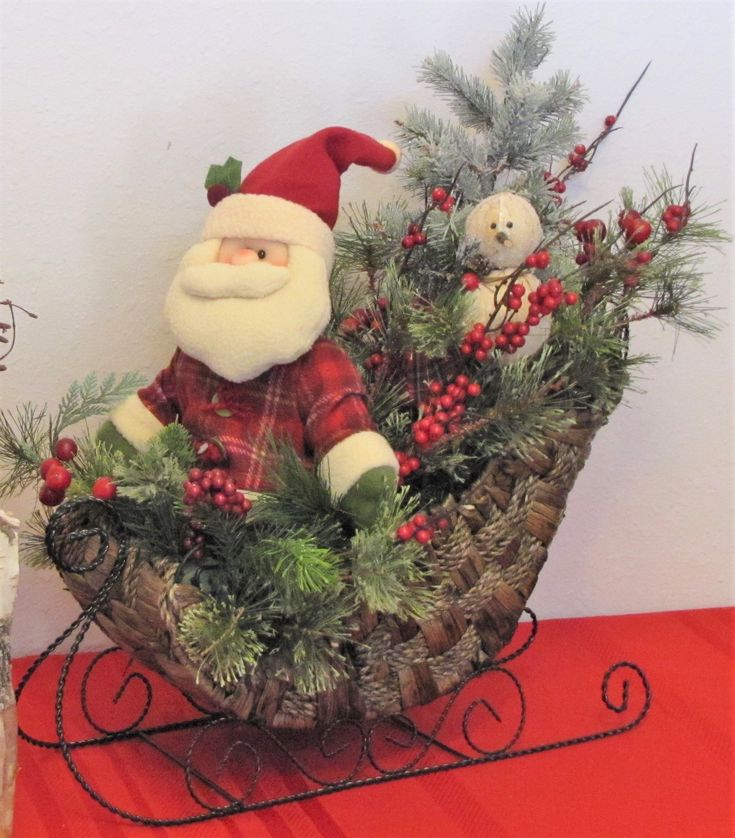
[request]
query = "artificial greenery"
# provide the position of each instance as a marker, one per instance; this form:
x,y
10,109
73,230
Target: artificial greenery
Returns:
x,y
281,588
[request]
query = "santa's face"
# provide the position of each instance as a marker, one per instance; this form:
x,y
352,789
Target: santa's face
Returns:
x,y
241,306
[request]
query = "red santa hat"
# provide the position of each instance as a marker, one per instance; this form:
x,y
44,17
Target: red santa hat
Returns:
x,y
293,195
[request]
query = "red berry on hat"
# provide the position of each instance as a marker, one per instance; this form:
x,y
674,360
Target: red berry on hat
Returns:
x,y
217,192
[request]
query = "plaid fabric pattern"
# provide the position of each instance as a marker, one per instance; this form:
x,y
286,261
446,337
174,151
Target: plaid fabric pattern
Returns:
x,y
314,402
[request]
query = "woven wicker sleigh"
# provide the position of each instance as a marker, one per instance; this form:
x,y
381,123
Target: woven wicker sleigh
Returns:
x,y
488,562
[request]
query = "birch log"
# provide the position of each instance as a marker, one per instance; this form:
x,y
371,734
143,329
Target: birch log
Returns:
x,y
8,723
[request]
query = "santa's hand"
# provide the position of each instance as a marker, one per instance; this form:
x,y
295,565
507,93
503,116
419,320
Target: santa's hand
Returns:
x,y
109,435
363,500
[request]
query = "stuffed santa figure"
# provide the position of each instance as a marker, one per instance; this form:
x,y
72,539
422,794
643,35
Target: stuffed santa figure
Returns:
x,y
247,308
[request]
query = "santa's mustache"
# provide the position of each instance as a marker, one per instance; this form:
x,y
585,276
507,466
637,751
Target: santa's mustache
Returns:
x,y
218,280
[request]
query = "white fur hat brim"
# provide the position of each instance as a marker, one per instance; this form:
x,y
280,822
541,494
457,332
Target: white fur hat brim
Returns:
x,y
269,217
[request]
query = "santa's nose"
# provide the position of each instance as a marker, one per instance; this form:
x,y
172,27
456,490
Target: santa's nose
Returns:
x,y
244,256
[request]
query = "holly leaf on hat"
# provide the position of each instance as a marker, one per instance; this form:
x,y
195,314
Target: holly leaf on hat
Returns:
x,y
229,174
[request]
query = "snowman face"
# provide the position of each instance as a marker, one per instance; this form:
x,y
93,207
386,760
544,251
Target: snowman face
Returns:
x,y
506,229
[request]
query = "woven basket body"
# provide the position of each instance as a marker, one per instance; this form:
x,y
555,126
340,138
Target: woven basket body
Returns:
x,y
487,564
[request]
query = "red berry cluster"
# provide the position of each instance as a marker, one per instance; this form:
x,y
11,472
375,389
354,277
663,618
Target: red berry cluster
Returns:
x,y
192,540
555,184
442,199
407,465
444,409
364,319
635,228
540,259
547,298
590,232
421,529
57,477
675,217
576,158
643,257
213,486
415,236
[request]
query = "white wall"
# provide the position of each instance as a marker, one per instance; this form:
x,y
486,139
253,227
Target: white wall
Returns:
x,y
112,112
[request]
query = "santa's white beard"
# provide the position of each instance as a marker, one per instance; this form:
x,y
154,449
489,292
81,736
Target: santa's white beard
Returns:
x,y
241,336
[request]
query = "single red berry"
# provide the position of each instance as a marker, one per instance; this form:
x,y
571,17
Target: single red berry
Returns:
x,y
639,233
423,536
474,389
58,478
580,149
419,238
466,349
674,225
216,193
581,258
531,261
447,204
554,287
421,438
471,281
436,431
376,359
195,475
643,257
446,401
419,520
461,381
533,320
414,463
509,328
481,355
543,259
517,341
523,329
407,242
246,504
405,532
571,298
382,303
66,449
610,121
517,290
443,523
49,496
404,470
438,194
104,488
47,464
501,341
560,187
514,303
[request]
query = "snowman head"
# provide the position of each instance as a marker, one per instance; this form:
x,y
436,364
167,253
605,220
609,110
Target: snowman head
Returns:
x,y
505,228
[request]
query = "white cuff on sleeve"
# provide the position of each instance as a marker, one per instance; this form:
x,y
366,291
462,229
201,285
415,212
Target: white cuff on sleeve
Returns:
x,y
345,463
135,422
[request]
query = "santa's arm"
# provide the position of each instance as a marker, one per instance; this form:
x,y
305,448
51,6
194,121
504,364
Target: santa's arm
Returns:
x,y
355,461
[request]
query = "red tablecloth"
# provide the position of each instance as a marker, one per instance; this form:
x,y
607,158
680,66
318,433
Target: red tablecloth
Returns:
x,y
671,776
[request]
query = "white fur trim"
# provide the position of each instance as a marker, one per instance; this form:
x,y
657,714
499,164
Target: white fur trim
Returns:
x,y
135,422
396,150
269,217
347,461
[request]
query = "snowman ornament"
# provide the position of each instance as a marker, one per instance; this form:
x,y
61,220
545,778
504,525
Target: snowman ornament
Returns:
x,y
505,228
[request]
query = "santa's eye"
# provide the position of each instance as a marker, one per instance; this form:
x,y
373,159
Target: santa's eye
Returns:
x,y
493,226
261,254
509,224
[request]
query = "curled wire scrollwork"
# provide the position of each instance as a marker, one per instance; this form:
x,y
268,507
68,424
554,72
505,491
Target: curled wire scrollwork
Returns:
x,y
123,689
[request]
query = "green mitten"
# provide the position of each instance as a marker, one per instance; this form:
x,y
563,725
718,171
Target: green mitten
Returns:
x,y
362,501
111,437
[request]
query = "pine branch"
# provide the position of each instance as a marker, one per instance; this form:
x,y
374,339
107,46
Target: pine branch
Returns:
x,y
468,96
524,48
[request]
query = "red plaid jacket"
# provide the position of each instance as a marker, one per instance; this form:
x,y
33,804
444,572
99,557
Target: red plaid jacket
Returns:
x,y
313,402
